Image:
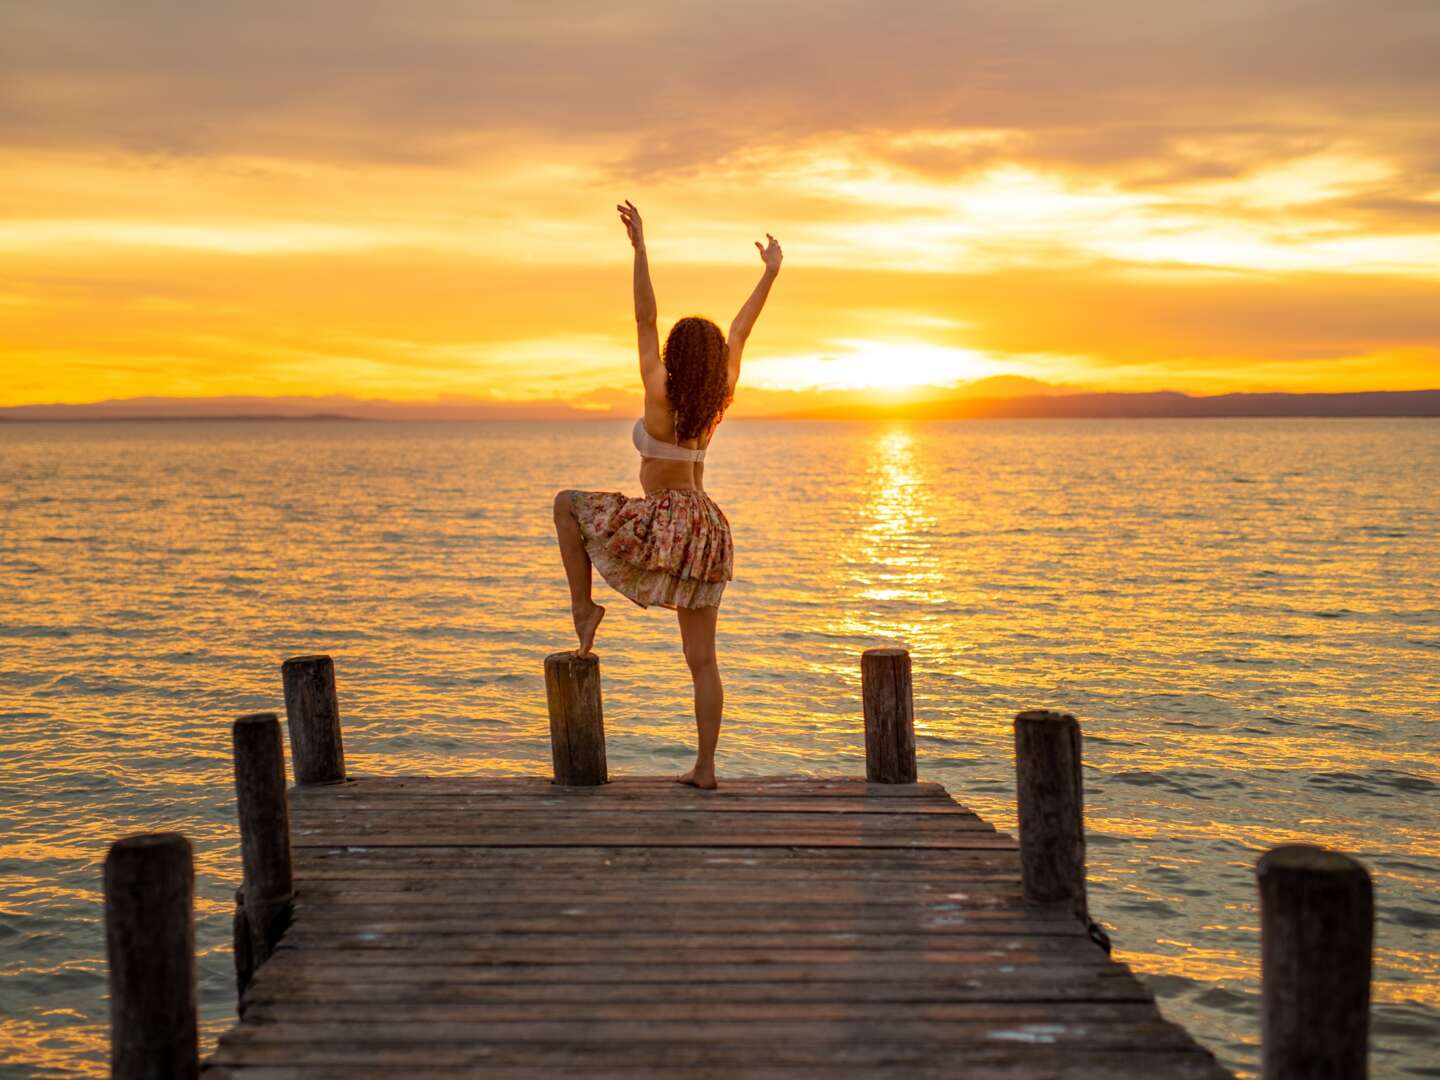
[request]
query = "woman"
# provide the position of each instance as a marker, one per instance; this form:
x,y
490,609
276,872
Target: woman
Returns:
x,y
673,547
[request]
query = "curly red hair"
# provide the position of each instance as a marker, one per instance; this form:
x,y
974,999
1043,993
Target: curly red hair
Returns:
x,y
697,376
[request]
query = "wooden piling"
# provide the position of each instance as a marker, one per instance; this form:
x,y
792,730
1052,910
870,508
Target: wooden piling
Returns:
x,y
313,714
264,833
1317,920
150,940
577,726
241,948
1050,797
889,716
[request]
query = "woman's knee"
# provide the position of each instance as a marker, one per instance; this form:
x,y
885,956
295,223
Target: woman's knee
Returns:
x,y
700,657
562,505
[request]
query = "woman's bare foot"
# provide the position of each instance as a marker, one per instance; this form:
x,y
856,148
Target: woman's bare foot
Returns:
x,y
696,778
587,621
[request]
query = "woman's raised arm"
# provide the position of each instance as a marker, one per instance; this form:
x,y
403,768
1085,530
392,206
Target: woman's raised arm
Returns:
x,y
648,337
744,322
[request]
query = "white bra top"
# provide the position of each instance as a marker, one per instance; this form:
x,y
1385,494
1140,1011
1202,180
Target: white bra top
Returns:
x,y
651,447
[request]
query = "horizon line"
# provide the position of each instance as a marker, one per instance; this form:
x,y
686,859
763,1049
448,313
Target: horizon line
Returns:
x,y
1100,405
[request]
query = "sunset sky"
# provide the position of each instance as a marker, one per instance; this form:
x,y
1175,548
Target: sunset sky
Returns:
x,y
416,201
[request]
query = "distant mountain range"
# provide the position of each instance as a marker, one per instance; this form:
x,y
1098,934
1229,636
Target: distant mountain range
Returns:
x,y
330,407
1161,404
1003,398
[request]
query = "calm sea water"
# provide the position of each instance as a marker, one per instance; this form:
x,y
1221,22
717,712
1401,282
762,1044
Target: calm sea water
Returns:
x,y
1244,614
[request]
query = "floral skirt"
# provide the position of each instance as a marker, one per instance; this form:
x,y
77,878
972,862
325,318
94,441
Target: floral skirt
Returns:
x,y
672,548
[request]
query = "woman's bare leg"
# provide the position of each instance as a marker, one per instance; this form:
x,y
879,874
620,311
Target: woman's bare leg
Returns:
x,y
697,632
586,613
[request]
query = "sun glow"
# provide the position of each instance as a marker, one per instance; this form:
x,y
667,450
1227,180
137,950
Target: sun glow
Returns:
x,y
858,364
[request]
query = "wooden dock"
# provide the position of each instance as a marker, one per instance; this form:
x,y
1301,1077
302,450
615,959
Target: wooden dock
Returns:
x,y
780,927
775,928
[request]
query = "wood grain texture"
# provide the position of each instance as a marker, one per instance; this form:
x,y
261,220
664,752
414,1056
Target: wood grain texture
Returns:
x,y
150,943
1317,923
242,949
789,927
1049,791
264,834
312,710
889,716
577,722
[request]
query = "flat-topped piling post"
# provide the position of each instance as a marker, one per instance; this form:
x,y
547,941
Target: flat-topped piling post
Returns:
x,y
889,716
577,724
1050,800
264,837
313,715
150,942
1317,920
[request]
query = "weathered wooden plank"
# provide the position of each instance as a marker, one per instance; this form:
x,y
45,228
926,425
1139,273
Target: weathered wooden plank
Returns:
x,y
376,984
508,892
316,1030
979,888
996,1014
440,965
534,823
818,908
716,837
433,949
930,863
723,918
694,948
631,804
840,903
988,886
759,920
785,786
998,1065
486,821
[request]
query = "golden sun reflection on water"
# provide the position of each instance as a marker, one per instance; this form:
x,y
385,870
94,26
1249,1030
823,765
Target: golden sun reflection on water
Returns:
x,y
898,537
891,549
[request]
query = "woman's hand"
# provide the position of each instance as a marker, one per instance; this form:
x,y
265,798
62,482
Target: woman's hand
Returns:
x,y
770,254
633,225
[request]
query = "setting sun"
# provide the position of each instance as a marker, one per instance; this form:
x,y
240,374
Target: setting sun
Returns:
x,y
857,364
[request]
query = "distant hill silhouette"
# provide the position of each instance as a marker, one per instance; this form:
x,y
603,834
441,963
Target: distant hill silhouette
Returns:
x,y
1158,405
130,418
1004,397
